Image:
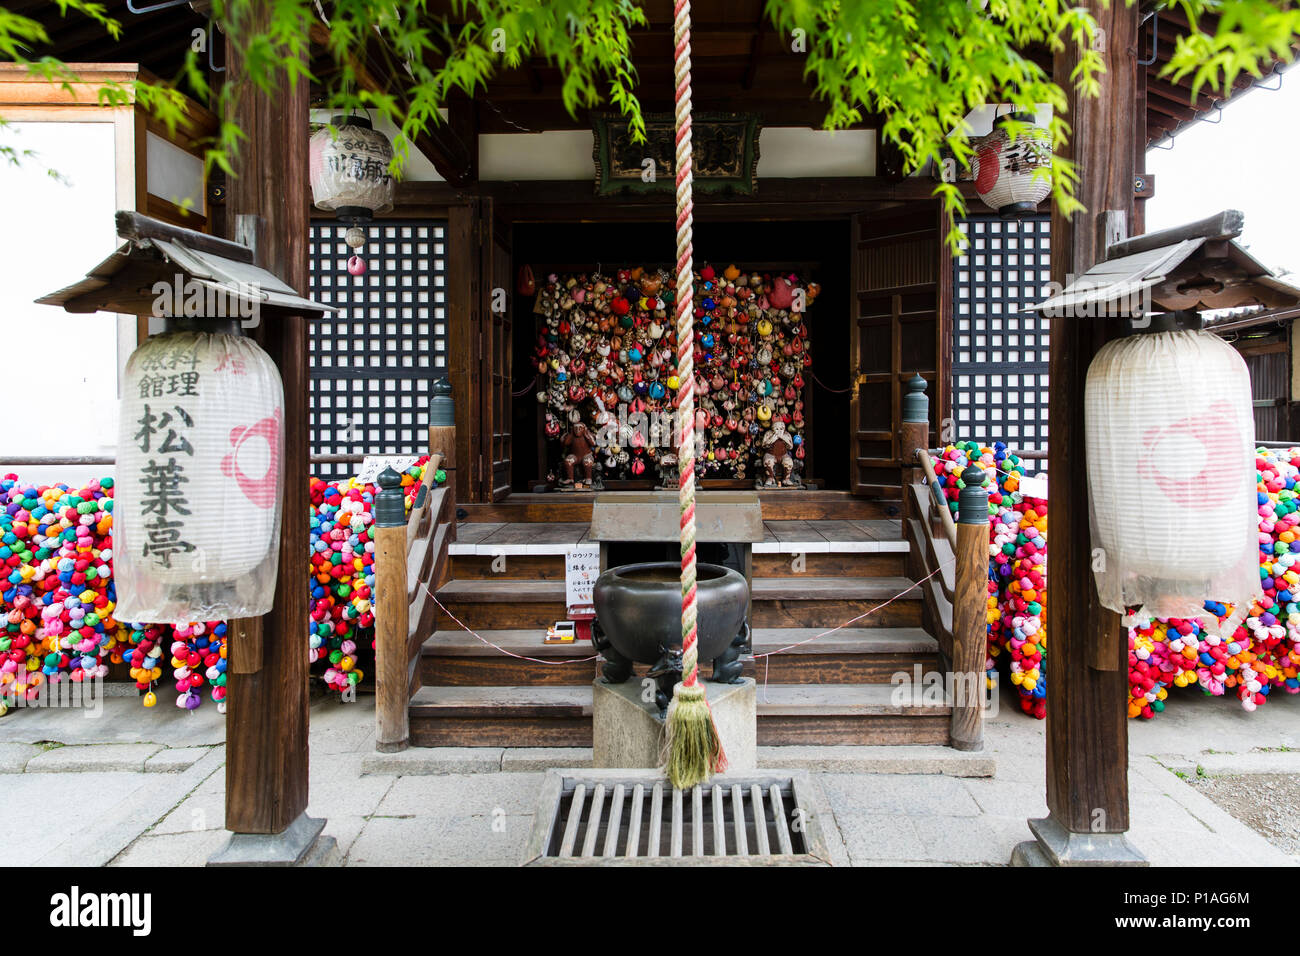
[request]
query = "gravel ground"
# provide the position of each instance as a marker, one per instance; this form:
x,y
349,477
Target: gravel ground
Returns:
x,y
1269,803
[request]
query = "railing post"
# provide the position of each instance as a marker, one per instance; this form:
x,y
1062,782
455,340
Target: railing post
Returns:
x,y
913,436
970,603
442,427
392,610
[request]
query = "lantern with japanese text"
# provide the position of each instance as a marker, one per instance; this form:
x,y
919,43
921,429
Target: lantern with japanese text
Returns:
x,y
1013,176
350,177
196,524
1170,438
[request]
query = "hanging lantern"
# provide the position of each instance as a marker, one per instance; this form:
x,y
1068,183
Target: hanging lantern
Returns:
x,y
1170,438
350,177
1007,176
196,524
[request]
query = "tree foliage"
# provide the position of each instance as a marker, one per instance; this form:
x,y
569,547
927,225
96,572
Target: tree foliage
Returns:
x,y
922,65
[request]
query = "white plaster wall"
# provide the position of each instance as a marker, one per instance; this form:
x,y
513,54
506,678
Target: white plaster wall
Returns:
x,y
61,369
794,152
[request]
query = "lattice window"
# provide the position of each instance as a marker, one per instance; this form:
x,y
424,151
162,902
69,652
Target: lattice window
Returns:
x,y
1000,351
373,363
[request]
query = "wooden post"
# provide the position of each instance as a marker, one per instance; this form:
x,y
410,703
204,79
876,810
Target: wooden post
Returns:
x,y
392,616
970,601
914,435
266,723
1087,719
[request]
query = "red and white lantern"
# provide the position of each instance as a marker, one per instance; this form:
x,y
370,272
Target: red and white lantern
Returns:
x,y
1013,177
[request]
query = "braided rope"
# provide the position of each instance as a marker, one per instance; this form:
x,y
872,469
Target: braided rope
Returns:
x,y
685,336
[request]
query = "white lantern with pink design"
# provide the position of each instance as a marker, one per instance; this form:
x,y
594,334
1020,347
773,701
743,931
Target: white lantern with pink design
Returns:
x,y
196,516
1170,439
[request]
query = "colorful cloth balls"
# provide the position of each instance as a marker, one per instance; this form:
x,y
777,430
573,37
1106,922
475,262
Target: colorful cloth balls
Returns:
x,y
342,572
1016,613
57,597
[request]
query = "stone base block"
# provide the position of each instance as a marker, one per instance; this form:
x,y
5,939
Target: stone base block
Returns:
x,y
629,733
301,844
1057,846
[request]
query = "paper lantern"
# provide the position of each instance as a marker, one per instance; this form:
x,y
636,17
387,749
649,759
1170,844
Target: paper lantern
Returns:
x,y
196,524
1170,438
1007,174
350,177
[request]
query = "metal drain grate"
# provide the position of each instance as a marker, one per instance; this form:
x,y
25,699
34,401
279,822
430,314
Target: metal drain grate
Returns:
x,y
636,817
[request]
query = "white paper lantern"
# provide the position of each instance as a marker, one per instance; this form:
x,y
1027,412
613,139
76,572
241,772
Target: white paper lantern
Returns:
x,y
199,479
1170,438
1013,177
349,173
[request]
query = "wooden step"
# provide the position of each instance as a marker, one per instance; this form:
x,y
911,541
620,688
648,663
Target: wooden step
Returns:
x,y
821,602
456,658
858,714
812,505
864,564
788,715
867,655
550,567
501,717
804,601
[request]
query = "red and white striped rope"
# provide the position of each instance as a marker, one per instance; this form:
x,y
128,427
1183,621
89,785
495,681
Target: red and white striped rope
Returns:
x,y
685,303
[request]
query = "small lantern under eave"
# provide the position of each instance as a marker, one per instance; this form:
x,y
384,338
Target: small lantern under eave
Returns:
x,y
1013,176
350,177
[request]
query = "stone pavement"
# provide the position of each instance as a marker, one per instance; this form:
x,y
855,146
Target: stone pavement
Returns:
x,y
156,780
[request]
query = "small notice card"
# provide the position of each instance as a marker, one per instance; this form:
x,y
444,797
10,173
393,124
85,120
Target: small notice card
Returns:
x,y
374,464
581,568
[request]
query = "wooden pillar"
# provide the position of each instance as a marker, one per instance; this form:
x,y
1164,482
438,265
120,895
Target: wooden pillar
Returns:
x,y
267,715
392,616
969,613
1087,729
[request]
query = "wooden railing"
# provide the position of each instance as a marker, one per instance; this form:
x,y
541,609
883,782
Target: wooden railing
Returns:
x,y
950,560
411,563
952,564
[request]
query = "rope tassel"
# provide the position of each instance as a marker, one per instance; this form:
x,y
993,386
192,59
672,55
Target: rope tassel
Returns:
x,y
694,748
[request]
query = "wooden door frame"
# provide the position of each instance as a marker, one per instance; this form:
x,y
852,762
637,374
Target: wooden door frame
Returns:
x,y
938,379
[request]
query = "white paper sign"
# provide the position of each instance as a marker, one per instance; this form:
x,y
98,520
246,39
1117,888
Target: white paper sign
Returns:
x,y
1033,487
374,464
581,568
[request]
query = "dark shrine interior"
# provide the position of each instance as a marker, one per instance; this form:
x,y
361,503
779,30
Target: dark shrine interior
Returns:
x,y
818,250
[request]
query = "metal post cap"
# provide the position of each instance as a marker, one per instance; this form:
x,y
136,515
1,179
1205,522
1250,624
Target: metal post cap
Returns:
x,y
390,503
973,501
916,404
442,407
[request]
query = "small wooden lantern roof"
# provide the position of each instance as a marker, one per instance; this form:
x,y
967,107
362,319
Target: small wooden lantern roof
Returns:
x,y
156,252
1195,267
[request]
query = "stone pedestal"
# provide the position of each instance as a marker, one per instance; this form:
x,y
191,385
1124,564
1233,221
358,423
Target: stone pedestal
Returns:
x,y
628,732
1057,846
301,844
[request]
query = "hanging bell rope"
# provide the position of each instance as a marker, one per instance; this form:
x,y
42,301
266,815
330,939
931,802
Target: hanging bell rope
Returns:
x,y
694,749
